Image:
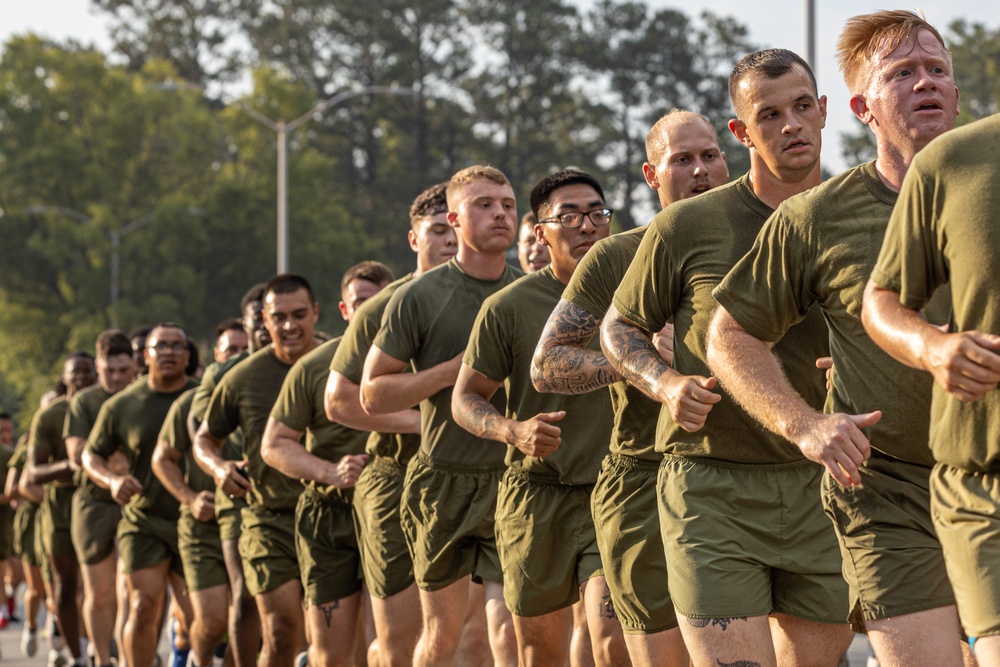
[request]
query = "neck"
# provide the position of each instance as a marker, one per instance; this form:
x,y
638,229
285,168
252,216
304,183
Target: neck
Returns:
x,y
285,357
772,188
891,164
164,385
481,265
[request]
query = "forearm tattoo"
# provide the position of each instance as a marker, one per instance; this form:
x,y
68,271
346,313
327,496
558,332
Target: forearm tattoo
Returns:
x,y
562,364
633,354
480,417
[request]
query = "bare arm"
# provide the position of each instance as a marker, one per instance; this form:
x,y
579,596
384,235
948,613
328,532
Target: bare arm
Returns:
x,y
26,489
965,364
208,456
122,486
754,377
630,349
386,386
42,472
472,410
74,449
10,490
166,468
282,451
562,364
342,400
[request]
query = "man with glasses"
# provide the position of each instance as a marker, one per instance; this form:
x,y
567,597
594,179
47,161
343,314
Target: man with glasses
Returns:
x,y
555,443
147,535
683,160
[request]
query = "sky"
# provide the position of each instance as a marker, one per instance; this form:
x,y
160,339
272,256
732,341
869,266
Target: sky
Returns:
x,y
772,23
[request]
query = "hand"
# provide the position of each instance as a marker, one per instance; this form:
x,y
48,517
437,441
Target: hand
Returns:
x,y
537,436
203,506
347,470
826,363
836,442
965,364
663,341
124,487
118,462
231,481
690,398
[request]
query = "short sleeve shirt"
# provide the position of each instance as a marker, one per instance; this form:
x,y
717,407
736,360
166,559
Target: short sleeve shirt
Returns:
x,y
46,435
943,229
175,434
690,246
592,288
819,248
500,348
131,420
349,361
80,418
243,399
300,407
428,322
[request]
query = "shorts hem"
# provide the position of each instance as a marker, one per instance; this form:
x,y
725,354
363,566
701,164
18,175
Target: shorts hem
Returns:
x,y
882,613
636,630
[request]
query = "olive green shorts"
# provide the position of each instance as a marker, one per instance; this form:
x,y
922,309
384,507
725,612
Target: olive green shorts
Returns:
x,y
447,515
25,534
965,507
267,546
228,514
6,532
145,540
201,553
744,540
628,535
892,559
385,560
56,521
94,526
545,537
327,548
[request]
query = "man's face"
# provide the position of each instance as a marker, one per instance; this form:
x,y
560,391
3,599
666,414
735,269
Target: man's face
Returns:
x,y
229,344
78,373
290,319
531,254
253,325
433,240
167,354
6,432
692,163
911,96
784,122
486,216
115,372
139,354
356,293
568,246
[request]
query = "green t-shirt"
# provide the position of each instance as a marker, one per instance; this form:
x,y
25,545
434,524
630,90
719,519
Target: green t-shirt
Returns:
x,y
689,248
243,399
592,288
175,433
131,420
300,407
819,248
500,347
349,361
945,228
46,436
209,381
427,322
80,418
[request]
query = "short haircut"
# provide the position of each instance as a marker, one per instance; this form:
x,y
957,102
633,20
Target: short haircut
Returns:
x,y
140,331
544,188
228,324
528,219
287,283
255,293
169,325
112,342
81,354
769,63
656,140
866,35
470,174
376,273
431,201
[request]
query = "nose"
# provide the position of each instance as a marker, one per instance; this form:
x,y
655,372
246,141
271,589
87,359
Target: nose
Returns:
x,y
792,123
925,81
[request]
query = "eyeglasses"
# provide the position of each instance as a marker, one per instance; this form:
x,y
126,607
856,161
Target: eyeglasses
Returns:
x,y
163,348
573,219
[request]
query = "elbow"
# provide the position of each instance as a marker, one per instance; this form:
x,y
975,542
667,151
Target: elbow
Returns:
x,y
368,400
537,374
458,408
868,307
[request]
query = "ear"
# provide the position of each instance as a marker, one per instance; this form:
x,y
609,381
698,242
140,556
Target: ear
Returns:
x,y
957,111
452,218
859,107
822,108
343,309
649,173
411,236
540,234
739,130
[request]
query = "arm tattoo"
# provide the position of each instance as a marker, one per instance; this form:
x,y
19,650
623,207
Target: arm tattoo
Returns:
x,y
562,363
631,351
479,417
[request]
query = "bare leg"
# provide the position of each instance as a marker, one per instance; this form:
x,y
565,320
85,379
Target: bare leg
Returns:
x,y
443,614
100,606
397,627
988,651
929,637
606,636
147,589
282,624
503,639
121,618
244,621
65,581
333,631
544,640
715,641
581,653
801,643
210,607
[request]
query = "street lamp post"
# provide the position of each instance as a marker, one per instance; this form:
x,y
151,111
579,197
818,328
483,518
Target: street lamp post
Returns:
x,y
282,129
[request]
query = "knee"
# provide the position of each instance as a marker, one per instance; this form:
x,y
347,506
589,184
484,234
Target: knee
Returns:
x,y
318,656
435,641
144,607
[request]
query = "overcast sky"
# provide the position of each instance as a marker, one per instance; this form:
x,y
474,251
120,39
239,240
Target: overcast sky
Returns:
x,y
772,23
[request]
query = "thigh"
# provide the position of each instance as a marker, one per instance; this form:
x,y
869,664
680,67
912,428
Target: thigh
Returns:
x,y
334,625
